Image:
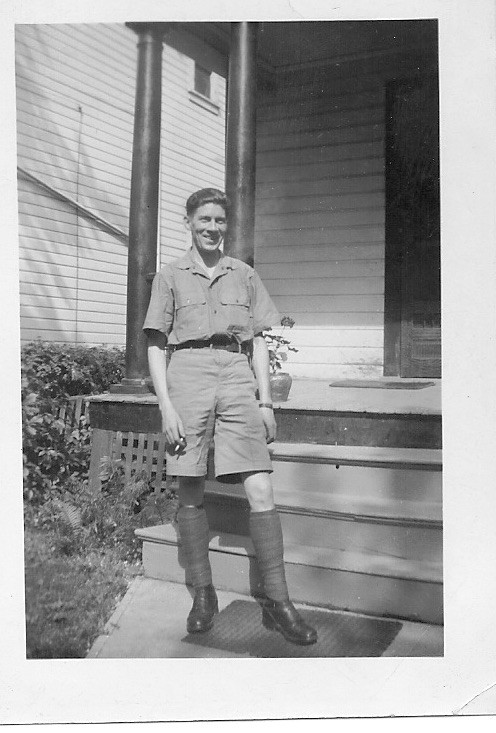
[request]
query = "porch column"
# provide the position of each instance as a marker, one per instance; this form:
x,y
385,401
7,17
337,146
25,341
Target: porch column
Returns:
x,y
143,215
241,140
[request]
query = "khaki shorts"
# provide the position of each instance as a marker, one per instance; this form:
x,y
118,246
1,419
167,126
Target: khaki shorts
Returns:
x,y
213,392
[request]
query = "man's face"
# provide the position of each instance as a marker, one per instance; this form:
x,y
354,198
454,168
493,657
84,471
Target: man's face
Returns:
x,y
207,225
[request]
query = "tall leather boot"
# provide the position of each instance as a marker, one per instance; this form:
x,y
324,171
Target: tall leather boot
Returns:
x,y
278,613
194,533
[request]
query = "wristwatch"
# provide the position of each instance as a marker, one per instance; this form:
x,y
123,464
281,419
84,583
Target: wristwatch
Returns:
x,y
266,404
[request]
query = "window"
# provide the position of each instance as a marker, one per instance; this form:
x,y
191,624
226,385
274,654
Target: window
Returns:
x,y
202,81
203,90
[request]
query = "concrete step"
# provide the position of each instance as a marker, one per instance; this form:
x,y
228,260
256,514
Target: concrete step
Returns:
x,y
398,528
371,583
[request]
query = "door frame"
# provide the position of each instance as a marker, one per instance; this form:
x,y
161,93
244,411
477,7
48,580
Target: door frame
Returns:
x,y
393,250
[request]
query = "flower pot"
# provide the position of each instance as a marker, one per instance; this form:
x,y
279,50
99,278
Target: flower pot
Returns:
x,y
280,384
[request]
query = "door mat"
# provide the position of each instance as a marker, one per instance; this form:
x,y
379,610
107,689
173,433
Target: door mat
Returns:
x,y
238,629
380,384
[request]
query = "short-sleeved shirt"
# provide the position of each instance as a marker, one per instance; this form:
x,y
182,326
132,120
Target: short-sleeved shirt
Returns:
x,y
186,304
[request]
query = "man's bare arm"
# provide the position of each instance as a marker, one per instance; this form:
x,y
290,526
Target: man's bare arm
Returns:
x,y
261,369
171,422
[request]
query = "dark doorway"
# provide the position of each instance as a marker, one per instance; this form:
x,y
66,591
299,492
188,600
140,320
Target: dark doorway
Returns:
x,y
412,344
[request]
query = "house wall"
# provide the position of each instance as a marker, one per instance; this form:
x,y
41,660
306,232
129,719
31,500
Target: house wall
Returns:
x,y
320,237
75,115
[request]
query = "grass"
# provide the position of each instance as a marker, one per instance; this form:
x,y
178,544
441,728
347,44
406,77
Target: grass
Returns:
x,y
69,598
75,574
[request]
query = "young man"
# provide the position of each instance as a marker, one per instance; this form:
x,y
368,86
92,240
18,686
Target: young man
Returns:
x,y
211,310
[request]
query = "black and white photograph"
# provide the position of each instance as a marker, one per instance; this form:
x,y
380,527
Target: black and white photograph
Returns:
x,y
248,319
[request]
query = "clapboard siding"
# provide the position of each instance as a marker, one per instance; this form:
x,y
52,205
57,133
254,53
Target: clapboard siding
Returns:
x,y
334,337
29,96
297,253
325,286
361,99
373,215
95,297
63,248
327,269
321,154
320,217
331,235
75,113
321,122
101,139
356,320
63,334
332,303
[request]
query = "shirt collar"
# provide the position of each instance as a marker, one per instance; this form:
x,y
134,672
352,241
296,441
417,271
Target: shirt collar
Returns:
x,y
188,262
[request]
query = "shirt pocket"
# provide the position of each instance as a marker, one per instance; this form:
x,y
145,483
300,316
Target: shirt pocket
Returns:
x,y
190,317
235,306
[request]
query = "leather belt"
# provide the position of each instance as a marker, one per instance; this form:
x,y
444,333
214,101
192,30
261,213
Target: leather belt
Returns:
x,y
243,348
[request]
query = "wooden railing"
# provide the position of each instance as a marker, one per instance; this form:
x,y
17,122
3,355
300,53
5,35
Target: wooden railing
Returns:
x,y
137,451
73,410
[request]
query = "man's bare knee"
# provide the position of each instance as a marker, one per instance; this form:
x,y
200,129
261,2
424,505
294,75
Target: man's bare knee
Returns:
x,y
259,492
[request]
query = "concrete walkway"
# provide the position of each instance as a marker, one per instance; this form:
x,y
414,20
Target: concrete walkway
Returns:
x,y
150,621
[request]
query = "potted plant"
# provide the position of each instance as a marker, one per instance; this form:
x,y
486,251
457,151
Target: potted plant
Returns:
x,y
279,346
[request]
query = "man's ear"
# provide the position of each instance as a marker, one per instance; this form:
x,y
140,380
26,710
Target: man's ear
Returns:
x,y
187,223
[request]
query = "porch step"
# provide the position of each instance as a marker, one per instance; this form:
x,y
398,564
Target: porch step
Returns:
x,y
363,582
387,510
359,455
404,529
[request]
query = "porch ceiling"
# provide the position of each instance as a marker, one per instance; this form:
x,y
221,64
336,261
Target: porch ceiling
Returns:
x,y
296,43
286,44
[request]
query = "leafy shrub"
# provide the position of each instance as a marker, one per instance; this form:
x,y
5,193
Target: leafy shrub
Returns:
x,y
82,520
58,371
51,373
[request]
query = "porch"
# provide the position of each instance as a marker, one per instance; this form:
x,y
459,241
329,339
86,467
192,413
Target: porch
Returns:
x,y
150,620
357,481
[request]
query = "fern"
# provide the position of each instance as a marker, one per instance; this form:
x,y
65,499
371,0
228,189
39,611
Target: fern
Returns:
x,y
70,515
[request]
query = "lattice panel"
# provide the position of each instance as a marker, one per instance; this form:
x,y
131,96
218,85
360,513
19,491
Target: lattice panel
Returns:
x,y
142,451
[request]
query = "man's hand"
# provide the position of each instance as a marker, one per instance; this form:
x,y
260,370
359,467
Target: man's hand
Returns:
x,y
270,423
172,426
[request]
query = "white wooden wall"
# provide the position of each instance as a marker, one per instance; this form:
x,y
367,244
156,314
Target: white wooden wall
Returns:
x,y
193,140
75,98
320,217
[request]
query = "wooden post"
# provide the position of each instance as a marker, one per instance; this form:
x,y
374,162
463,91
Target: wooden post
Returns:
x,y
101,447
241,141
143,216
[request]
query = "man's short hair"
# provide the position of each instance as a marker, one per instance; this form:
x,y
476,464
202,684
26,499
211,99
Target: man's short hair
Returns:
x,y
206,196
